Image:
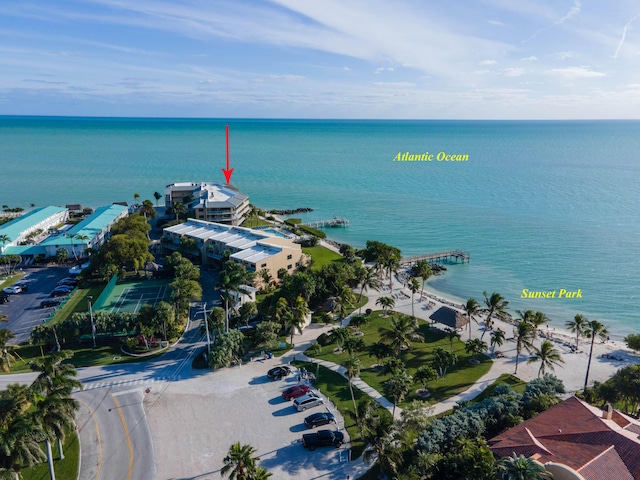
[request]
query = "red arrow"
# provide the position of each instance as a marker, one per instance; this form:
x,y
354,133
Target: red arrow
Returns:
x,y
227,172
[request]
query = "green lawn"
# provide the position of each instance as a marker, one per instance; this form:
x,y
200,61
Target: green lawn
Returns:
x,y
336,388
321,256
458,379
505,379
77,302
8,281
66,469
84,356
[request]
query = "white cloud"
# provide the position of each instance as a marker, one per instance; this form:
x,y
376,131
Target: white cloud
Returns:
x,y
575,72
513,72
496,23
624,34
531,58
394,84
488,62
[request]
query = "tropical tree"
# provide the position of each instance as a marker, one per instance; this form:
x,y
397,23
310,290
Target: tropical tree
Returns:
x,y
352,370
524,339
157,196
354,344
340,335
442,360
403,331
5,354
147,209
519,467
593,329
265,278
136,198
343,302
577,326
20,436
547,355
471,308
452,335
179,209
54,373
367,279
476,347
423,271
414,286
240,464
381,350
298,317
399,385
425,374
4,239
497,339
495,305
62,254
359,321
246,311
387,303
537,320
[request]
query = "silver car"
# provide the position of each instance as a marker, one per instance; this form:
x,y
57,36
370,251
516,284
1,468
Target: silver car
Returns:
x,y
307,401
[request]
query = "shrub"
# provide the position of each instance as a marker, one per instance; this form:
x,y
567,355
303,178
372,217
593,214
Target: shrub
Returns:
x,y
324,340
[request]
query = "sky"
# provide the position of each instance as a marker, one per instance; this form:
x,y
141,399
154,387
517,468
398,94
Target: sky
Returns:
x,y
373,59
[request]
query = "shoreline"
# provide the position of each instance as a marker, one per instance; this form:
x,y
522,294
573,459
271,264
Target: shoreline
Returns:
x,y
608,357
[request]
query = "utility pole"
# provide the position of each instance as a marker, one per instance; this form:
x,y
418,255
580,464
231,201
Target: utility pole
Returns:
x,y
93,326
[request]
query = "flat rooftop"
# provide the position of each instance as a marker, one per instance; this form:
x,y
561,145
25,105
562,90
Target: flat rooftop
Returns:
x,y
17,226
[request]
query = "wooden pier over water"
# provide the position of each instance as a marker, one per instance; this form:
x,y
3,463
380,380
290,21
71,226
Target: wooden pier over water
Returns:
x,y
437,257
334,222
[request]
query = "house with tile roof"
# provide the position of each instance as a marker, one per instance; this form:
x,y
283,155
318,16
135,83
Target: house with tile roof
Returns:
x,y
576,441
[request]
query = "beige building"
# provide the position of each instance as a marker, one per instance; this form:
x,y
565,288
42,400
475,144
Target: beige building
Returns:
x,y
212,202
255,249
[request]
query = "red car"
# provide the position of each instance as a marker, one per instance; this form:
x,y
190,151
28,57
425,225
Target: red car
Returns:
x,y
295,392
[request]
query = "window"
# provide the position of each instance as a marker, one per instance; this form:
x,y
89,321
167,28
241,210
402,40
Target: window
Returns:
x,y
289,257
289,267
264,265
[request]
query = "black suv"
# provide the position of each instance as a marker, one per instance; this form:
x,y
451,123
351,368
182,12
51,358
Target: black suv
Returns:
x,y
49,303
276,373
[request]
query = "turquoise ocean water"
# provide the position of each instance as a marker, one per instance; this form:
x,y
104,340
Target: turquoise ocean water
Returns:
x,y
541,205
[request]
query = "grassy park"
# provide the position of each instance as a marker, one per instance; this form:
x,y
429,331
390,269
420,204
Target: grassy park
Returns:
x,y
459,377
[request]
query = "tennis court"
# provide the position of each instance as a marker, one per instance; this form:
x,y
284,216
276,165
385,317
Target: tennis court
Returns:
x,y
131,296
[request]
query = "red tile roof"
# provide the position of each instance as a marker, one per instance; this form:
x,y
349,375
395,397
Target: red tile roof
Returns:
x,y
573,434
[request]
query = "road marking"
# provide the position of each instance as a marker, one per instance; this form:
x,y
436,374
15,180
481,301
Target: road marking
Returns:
x,y
125,392
99,440
126,432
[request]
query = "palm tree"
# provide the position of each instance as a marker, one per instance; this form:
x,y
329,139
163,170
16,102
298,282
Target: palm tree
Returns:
x,y
403,330
537,320
387,303
367,279
4,238
157,196
547,355
519,467
5,356
524,339
399,385
147,209
471,308
442,360
53,373
20,437
414,286
425,374
261,473
577,326
298,317
83,239
381,350
343,302
422,270
593,329
239,463
179,208
496,305
265,278
136,198
340,334
476,347
352,366
497,339
452,334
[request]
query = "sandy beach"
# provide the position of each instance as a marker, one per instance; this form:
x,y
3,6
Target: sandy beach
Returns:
x,y
608,356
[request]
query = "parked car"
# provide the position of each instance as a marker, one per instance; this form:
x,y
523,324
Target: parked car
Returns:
x,y
319,419
49,303
12,289
309,400
59,293
24,286
295,392
4,298
68,281
276,373
322,438
68,288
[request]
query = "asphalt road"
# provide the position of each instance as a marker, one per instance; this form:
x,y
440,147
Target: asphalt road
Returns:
x,y
23,310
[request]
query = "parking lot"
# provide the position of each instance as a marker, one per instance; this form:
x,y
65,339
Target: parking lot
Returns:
x,y
23,309
194,422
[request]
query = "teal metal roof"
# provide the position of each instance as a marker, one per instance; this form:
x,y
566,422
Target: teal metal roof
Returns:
x,y
25,250
15,227
90,226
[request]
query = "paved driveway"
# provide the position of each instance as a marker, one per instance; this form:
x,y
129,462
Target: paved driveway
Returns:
x,y
194,422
